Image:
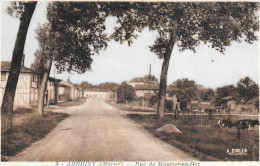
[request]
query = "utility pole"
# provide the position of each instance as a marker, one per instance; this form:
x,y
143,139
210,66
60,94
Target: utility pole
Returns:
x,y
149,83
123,94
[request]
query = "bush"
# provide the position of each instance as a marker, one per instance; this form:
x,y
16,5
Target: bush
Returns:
x,y
153,100
168,105
138,98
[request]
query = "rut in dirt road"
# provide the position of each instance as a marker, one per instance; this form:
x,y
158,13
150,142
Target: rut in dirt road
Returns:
x,y
96,131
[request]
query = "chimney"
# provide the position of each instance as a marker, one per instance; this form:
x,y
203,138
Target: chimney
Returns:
x,y
22,63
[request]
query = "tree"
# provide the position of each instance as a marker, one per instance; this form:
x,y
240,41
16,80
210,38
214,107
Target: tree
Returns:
x,y
70,43
247,89
107,85
86,85
23,11
79,29
226,91
206,94
43,61
186,25
125,93
185,91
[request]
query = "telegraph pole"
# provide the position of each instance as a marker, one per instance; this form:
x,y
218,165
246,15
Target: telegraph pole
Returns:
x,y
149,82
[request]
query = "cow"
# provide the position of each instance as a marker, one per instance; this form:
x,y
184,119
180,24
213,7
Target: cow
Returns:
x,y
242,124
219,122
255,122
227,123
246,123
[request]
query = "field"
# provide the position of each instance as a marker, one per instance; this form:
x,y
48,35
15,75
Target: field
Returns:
x,y
203,138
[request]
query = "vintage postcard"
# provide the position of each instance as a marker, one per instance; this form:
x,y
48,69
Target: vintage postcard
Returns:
x,y
129,83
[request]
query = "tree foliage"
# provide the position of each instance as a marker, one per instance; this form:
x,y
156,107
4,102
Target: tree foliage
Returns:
x,y
185,91
146,79
16,8
206,94
153,100
47,44
247,89
125,93
107,86
79,31
214,23
86,85
225,91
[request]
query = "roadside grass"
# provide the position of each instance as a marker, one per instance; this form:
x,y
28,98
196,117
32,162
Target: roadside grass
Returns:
x,y
31,129
207,142
71,103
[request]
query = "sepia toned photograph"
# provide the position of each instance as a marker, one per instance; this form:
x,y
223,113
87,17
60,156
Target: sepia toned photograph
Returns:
x,y
129,81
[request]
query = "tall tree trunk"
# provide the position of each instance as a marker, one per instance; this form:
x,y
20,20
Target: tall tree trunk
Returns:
x,y
8,100
56,91
42,87
165,66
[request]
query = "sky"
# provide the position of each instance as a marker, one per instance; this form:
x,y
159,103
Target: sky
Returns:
x,y
119,62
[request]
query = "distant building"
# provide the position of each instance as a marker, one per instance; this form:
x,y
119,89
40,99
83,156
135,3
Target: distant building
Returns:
x,y
97,93
69,91
200,105
143,90
133,84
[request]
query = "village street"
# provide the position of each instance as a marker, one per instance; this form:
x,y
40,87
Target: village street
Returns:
x,y
96,131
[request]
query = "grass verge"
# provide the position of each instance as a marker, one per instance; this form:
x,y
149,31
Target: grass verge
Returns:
x,y
71,103
203,138
24,134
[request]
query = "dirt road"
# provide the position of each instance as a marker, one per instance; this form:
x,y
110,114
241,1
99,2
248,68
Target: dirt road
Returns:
x,y
96,131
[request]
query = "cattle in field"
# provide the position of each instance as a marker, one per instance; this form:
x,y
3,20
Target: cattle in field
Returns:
x,y
255,122
227,123
219,122
246,123
242,124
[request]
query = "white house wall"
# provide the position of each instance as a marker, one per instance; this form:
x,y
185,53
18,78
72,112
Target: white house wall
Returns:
x,y
24,91
97,94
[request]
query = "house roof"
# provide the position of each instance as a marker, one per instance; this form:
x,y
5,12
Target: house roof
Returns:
x,y
5,66
54,79
227,98
65,84
146,87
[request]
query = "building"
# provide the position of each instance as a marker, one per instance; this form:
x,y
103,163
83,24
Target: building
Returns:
x,y
97,93
133,84
143,90
26,94
69,91
26,91
52,91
